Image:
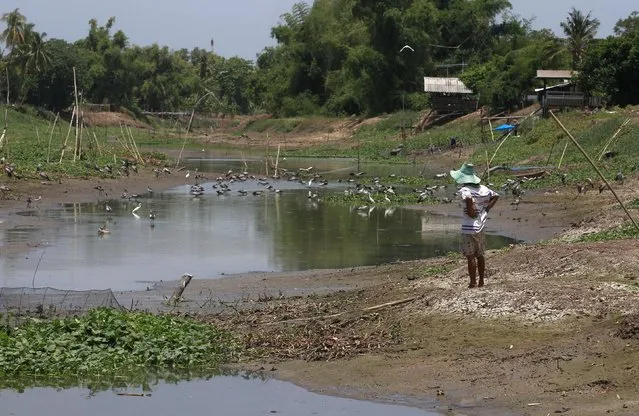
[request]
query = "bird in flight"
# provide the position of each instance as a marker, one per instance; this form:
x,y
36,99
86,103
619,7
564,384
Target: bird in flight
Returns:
x,y
407,47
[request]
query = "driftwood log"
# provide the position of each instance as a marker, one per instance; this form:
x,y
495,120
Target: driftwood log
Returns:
x,y
176,297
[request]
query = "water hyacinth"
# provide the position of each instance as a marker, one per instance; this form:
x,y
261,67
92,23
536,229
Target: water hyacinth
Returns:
x,y
108,342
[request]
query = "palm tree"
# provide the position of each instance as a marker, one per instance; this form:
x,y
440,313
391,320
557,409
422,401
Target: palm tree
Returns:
x,y
580,30
34,53
14,34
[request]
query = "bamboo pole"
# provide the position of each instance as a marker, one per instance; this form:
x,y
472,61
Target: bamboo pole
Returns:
x,y
135,146
76,149
492,134
6,115
561,159
64,145
51,137
125,139
266,155
614,136
603,178
97,143
487,166
500,145
277,159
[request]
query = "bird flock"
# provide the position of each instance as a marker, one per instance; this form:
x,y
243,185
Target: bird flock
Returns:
x,y
364,192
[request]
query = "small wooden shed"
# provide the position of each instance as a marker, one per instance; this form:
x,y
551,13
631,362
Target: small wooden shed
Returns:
x,y
561,90
450,95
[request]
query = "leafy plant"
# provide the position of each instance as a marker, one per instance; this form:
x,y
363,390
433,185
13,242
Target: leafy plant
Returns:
x,y
618,233
108,343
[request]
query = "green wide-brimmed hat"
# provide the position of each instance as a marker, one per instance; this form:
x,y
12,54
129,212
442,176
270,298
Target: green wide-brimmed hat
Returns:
x,y
465,174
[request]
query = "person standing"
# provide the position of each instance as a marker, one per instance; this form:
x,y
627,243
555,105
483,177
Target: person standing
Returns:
x,y
477,201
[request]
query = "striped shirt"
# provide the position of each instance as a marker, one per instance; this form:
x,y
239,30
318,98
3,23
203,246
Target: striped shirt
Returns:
x,y
481,196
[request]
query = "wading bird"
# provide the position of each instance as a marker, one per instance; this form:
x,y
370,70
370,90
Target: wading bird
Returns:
x,y
406,47
137,208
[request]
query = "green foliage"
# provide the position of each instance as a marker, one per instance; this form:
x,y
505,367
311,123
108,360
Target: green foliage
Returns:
x,y
334,57
580,30
108,342
435,270
623,232
610,69
542,143
31,141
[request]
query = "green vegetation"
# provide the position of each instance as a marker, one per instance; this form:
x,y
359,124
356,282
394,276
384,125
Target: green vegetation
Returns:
x,y
334,57
108,343
434,270
618,233
32,142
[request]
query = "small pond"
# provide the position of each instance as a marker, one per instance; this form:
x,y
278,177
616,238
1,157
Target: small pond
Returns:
x,y
224,395
215,235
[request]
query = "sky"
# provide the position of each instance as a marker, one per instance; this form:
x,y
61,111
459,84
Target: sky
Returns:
x,y
241,27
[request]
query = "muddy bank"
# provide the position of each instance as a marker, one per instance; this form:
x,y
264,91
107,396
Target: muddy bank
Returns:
x,y
554,330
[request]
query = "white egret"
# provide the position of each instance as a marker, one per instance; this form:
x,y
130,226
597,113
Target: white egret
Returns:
x,y
406,47
137,208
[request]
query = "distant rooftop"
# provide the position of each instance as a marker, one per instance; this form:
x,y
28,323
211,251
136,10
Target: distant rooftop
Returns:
x,y
445,85
555,73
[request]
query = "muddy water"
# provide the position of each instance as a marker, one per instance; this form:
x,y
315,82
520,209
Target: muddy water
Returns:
x,y
216,235
219,395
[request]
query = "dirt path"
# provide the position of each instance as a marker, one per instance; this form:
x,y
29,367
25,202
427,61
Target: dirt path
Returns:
x,y
555,331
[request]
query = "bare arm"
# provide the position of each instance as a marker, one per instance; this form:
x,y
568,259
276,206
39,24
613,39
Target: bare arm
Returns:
x,y
492,202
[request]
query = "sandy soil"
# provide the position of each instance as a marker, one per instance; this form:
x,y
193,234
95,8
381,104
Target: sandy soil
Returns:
x,y
555,330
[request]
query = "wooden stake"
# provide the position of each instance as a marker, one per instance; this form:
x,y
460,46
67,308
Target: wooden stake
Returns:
x,y
499,147
561,159
609,142
51,137
277,160
76,149
487,166
266,156
603,178
64,145
6,114
97,143
177,294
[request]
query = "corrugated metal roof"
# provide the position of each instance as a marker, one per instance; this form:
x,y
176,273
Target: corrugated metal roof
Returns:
x,y
445,85
555,73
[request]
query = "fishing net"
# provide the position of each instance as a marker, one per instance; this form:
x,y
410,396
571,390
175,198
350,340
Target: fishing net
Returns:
x,y
16,304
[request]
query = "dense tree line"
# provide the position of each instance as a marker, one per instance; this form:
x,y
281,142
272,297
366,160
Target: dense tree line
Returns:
x,y
331,57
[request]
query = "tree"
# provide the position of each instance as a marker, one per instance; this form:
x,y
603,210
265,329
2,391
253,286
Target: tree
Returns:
x,y
14,34
580,30
610,69
628,25
54,87
34,57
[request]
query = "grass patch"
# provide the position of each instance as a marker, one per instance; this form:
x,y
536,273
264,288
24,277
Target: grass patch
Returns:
x,y
434,270
32,140
110,343
623,232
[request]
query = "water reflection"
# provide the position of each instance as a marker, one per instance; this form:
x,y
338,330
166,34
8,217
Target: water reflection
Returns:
x,y
215,235
220,395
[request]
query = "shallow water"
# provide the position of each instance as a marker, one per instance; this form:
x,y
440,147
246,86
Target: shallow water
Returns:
x,y
224,395
216,235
